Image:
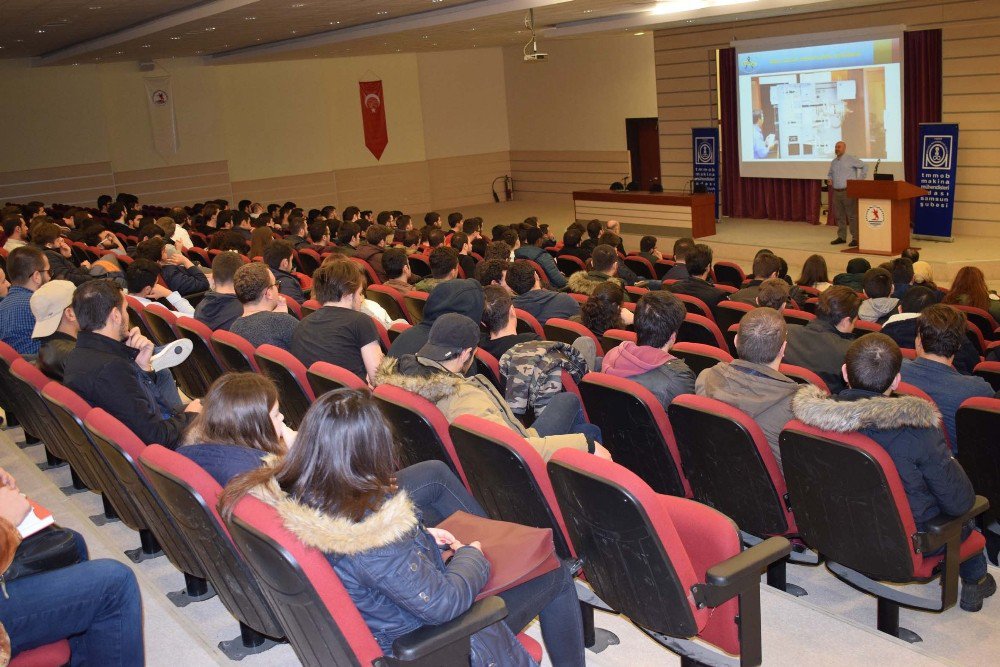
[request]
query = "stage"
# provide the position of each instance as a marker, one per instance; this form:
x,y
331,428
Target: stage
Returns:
x,y
738,240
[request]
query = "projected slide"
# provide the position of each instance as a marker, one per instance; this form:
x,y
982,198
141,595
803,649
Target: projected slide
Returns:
x,y
796,104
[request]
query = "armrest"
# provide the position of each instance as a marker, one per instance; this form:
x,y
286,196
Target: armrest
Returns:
x,y
944,528
430,638
735,575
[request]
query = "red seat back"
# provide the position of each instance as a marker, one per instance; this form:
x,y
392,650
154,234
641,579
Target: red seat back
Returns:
x,y
695,306
570,264
369,272
289,375
698,357
489,366
989,371
729,273
324,376
568,331
390,299
415,302
234,351
526,323
728,313
700,329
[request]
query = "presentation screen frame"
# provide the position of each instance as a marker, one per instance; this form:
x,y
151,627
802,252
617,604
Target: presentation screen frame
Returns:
x,y
857,97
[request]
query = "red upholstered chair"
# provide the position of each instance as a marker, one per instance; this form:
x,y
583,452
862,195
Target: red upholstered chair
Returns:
x,y
810,304
419,426
397,328
570,264
137,316
162,323
320,619
294,307
419,265
130,490
234,351
696,306
310,306
635,430
728,313
390,299
324,377
612,338
698,357
908,353
976,424
191,495
728,289
305,282
730,466
794,316
25,383
674,567
415,302
641,266
207,363
806,289
55,654
662,267
526,323
989,371
982,320
699,329
850,506
489,366
308,260
199,255
383,334
907,389
543,279
579,298
803,376
634,293
368,270
567,331
294,393
862,327
729,273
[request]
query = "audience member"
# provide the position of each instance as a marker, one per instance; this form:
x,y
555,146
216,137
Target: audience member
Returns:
x,y
854,278
373,251
265,318
821,345
908,428
55,326
679,270
16,231
28,268
911,254
178,272
923,275
464,297
444,267
774,293
47,236
434,238
220,307
594,230
278,255
529,296
902,327
297,233
658,316
533,251
397,270
605,262
626,274
141,278
879,305
969,289
753,383
698,263
260,238
467,263
500,321
648,251
604,309
765,266
493,272
940,334
112,367
571,244
903,275
337,333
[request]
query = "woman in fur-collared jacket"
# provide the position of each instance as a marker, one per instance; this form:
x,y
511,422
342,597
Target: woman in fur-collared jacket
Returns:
x,y
335,490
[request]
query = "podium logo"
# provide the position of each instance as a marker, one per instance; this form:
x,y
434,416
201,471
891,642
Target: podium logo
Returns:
x,y
875,216
704,150
937,152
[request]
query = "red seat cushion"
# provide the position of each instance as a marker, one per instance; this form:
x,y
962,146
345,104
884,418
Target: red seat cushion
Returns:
x,y
50,655
973,544
533,648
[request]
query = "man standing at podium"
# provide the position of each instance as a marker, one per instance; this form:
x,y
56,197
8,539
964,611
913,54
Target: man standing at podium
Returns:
x,y
843,168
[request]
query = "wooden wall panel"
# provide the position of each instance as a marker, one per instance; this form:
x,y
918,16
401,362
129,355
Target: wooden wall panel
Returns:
x,y
685,85
404,186
178,185
466,180
77,185
547,175
306,190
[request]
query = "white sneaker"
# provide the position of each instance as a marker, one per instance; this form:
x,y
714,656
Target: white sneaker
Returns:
x,y
172,354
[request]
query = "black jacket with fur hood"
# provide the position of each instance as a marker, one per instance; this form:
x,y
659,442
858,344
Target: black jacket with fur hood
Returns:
x,y
909,429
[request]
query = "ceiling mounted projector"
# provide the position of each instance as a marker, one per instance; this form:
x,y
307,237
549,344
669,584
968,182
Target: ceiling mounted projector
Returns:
x,y
531,52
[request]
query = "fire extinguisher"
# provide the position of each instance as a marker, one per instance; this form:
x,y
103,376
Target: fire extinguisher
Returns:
x,y
508,188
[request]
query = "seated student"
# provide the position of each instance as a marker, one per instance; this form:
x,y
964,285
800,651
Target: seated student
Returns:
x,y
604,309
319,240
773,293
278,257
854,278
605,263
908,428
940,333
432,237
679,270
297,233
374,248
968,288
455,296
626,274
444,267
902,276
95,604
28,269
648,251
902,327
337,333
821,345
493,272
571,244
501,322
698,263
265,319
529,296
814,274
879,306
437,370
923,275
338,491
658,316
15,229
112,368
753,382
594,231
397,270
532,250
179,273
348,239
473,228
220,307
47,236
463,246
765,266
141,275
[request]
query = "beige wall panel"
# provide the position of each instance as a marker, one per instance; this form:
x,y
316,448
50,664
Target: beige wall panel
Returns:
x,y
466,180
402,186
74,184
306,190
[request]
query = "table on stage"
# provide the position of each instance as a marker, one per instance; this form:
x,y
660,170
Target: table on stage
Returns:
x,y
653,213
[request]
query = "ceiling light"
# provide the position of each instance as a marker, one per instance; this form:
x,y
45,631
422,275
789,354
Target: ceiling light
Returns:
x,y
298,4
40,32
249,18
92,7
119,53
209,29
638,34
175,37
677,6
145,46
198,52
382,13
588,11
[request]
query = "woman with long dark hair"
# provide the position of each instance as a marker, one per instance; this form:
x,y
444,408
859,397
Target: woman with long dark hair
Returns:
x,y
259,239
969,289
814,273
337,491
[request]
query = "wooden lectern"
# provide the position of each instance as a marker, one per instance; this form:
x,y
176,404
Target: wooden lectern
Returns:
x,y
883,214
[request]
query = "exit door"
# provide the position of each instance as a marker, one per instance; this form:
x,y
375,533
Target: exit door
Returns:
x,y
642,137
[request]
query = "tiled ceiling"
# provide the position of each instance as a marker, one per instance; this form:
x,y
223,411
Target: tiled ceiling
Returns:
x,y
70,31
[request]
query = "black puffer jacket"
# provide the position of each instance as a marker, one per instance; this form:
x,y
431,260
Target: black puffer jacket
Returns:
x,y
909,429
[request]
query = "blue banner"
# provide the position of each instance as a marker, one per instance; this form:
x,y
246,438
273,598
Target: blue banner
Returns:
x,y
937,173
705,156
825,56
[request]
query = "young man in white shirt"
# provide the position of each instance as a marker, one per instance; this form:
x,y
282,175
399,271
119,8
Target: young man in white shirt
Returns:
x,y
141,277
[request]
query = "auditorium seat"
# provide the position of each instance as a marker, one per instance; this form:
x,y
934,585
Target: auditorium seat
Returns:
x,y
69,410
162,323
634,293
850,506
730,336
673,567
730,466
567,331
368,270
526,323
415,302
234,351
419,265
191,495
989,371
579,298
198,256
294,307
803,375
120,449
696,306
908,353
390,299
383,334
570,264
543,279
324,376
795,316
137,317
31,410
289,375
420,428
308,260
728,313
489,367
55,654
204,358
700,329
641,266
612,338
861,327
397,328
635,430
977,423
698,357
982,319
317,614
310,306
663,266
729,273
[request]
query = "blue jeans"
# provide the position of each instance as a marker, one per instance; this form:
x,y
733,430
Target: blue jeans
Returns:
x,y
563,415
95,604
551,597
436,491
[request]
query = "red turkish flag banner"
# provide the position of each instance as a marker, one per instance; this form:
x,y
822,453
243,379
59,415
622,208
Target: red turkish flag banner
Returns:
x,y
373,117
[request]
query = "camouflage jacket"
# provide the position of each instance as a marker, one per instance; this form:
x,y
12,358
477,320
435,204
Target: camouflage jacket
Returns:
x,y
534,373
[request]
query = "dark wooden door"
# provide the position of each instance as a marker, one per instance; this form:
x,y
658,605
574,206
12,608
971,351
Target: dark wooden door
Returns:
x,y
643,142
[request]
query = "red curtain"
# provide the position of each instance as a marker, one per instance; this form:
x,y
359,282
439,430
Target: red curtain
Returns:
x,y
922,78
